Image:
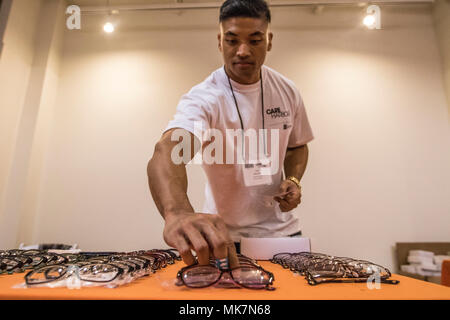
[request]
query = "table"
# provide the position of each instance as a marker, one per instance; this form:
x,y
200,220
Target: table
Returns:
x,y
289,286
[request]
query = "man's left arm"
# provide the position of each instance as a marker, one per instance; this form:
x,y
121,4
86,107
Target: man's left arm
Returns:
x,y
294,166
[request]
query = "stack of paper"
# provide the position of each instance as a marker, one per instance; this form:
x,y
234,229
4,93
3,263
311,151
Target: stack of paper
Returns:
x,y
423,263
439,259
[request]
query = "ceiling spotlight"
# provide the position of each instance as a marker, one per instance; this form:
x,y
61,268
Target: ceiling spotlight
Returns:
x,y
369,21
108,27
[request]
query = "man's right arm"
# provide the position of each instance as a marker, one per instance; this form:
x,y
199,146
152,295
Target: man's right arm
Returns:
x,y
167,180
184,229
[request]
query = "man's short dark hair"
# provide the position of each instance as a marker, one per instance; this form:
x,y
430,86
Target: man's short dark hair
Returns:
x,y
245,9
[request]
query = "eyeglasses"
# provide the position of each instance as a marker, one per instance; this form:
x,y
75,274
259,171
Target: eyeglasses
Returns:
x,y
93,272
16,260
321,268
162,257
108,269
249,275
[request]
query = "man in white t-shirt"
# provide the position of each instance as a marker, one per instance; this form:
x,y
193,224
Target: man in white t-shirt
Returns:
x,y
248,123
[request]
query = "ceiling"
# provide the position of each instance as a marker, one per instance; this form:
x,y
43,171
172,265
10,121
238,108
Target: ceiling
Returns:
x,y
133,2
91,3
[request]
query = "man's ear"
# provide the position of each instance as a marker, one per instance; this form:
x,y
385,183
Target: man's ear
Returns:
x,y
219,39
269,44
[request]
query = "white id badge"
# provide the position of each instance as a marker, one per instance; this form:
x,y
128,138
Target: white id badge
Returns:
x,y
258,173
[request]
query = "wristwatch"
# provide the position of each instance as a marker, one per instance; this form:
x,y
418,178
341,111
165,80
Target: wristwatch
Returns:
x,y
294,180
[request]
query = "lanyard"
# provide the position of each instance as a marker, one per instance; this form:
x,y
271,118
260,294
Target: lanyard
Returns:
x,y
239,114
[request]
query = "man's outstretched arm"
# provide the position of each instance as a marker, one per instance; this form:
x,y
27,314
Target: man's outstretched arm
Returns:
x,y
185,229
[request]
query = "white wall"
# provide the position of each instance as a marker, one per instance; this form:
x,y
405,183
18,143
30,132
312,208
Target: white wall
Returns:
x,y
40,108
378,170
29,80
441,14
117,93
379,166
16,64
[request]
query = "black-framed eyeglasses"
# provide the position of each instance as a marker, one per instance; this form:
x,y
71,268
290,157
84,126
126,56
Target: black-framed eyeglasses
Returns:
x,y
250,276
109,268
17,260
91,272
321,268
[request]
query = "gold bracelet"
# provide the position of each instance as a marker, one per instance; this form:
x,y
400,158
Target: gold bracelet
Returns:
x,y
294,180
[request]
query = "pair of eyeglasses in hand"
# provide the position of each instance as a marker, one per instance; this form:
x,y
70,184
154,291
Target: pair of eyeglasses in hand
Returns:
x,y
248,275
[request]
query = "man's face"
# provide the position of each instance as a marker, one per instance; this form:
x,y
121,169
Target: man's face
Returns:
x,y
244,43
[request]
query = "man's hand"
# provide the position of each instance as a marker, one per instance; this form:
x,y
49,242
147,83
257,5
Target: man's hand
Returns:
x,y
289,197
206,234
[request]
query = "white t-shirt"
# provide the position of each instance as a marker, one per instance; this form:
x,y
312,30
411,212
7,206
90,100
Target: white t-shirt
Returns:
x,y
247,211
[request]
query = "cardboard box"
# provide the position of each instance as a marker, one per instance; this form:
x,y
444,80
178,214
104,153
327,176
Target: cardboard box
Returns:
x,y
402,252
